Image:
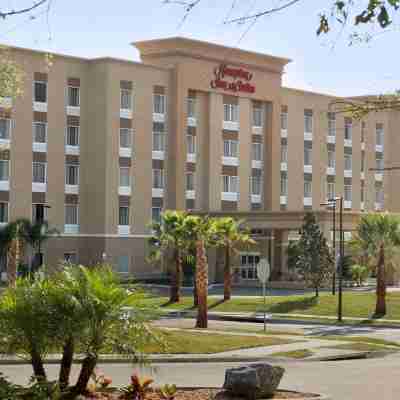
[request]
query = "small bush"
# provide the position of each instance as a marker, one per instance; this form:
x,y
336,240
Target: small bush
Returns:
x,y
359,274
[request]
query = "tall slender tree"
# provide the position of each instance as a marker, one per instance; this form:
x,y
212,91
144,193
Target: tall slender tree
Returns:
x,y
232,236
378,234
170,236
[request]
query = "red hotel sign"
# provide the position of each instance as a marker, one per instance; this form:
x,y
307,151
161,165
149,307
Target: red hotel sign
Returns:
x,y
240,79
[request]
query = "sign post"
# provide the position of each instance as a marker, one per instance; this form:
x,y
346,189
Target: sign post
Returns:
x,y
263,273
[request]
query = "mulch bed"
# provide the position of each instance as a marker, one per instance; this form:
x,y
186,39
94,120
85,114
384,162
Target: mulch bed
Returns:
x,y
213,394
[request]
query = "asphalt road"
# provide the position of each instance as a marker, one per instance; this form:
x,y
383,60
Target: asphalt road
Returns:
x,y
370,379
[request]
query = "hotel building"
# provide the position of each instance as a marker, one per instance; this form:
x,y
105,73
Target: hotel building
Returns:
x,y
99,147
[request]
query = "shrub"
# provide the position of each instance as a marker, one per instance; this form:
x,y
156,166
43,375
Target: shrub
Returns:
x,y
359,274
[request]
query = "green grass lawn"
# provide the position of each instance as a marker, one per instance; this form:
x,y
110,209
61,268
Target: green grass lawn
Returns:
x,y
296,354
185,342
360,347
361,339
359,305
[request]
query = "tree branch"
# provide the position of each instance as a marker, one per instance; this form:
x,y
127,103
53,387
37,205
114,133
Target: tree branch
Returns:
x,y
22,10
246,18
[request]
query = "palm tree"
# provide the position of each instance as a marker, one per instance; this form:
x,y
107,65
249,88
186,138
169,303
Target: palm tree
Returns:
x,y
377,235
12,243
169,236
202,231
232,236
36,234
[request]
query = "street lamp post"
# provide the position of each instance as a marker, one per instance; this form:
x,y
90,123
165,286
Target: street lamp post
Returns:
x,y
332,203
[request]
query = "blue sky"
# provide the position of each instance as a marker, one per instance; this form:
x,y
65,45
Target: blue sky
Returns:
x,y
92,28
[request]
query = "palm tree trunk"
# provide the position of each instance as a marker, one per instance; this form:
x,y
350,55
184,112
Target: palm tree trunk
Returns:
x,y
66,363
202,284
227,275
13,261
37,365
175,295
381,284
88,366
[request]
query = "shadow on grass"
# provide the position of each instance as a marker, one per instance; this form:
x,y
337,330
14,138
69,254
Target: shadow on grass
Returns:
x,y
293,305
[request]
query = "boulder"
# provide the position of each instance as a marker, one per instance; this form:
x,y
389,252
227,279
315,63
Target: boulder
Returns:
x,y
253,381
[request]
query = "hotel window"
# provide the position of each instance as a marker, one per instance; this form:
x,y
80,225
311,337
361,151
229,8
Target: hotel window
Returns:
x,y
230,184
71,258
156,214
125,138
331,159
330,191
363,129
5,128
4,170
71,214
39,213
3,213
348,163
379,162
284,152
189,181
362,161
126,99
231,148
72,174
191,144
284,184
307,156
347,193
284,120
124,176
159,103
379,195
123,218
248,266
191,107
331,124
257,116
379,134
348,128
307,188
39,172
39,132
40,92
231,113
74,99
256,185
257,151
158,178
158,136
72,136
308,121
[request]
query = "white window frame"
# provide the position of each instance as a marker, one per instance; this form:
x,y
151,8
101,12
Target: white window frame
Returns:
x,y
191,144
162,104
258,117
331,159
129,95
284,153
330,190
130,135
71,205
190,181
308,121
67,166
231,112
161,178
348,163
128,175
128,215
256,183
9,129
34,125
231,181
308,151
34,91
7,162
158,220
257,151
71,87
348,129
379,162
284,120
248,271
231,145
45,171
191,107
67,135
307,193
284,185
348,192
331,124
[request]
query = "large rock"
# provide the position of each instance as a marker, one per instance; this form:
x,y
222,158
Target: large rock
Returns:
x,y
253,381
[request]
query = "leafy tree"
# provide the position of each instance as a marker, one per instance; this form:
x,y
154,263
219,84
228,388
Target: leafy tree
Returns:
x,y
231,237
314,259
359,273
12,243
170,236
378,234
